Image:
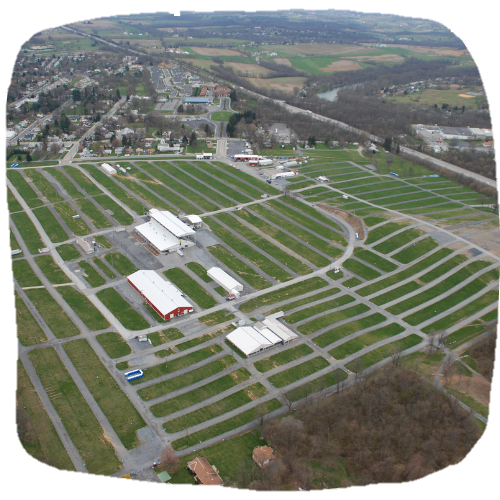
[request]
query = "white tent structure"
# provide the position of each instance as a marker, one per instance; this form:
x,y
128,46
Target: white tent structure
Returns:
x,y
226,281
195,220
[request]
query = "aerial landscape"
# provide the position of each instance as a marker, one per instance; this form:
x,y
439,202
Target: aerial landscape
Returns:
x,y
258,250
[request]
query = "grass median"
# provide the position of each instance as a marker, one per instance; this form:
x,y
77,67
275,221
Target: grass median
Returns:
x,y
334,317
190,287
114,345
287,377
282,358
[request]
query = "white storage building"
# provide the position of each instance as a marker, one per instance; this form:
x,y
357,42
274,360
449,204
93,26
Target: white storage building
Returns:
x,y
165,298
165,232
226,281
109,169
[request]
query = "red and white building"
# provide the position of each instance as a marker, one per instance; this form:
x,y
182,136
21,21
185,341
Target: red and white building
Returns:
x,y
165,298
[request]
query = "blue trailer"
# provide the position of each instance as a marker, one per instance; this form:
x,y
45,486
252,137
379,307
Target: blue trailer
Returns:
x,y
133,375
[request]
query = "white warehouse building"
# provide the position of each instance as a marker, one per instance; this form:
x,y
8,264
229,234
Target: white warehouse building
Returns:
x,y
226,281
165,232
263,335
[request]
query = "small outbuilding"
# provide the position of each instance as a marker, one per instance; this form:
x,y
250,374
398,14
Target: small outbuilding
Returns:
x,y
263,456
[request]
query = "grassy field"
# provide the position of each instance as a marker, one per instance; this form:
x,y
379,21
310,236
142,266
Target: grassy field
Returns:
x,y
181,381
190,287
68,251
51,270
221,116
122,310
203,393
161,337
333,317
398,241
38,437
369,359
231,402
97,218
226,425
28,232
216,317
68,186
104,268
269,267
24,274
113,344
203,338
302,370
114,403
402,275
374,259
199,270
13,204
352,346
340,332
317,385
28,329
307,312
43,185
285,293
82,180
56,319
50,225
383,231
77,226
361,269
416,250
24,189
103,241
292,305
173,365
282,358
121,263
76,416
93,278
121,215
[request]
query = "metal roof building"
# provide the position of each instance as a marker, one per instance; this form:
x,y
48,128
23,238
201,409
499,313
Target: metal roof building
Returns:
x,y
166,299
225,281
197,100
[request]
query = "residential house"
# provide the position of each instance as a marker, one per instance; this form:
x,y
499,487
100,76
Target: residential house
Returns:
x,y
204,472
263,456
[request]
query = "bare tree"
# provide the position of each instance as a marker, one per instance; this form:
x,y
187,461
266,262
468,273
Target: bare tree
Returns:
x,y
169,460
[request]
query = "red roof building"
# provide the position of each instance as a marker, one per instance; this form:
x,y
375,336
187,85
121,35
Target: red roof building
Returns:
x,y
204,472
263,456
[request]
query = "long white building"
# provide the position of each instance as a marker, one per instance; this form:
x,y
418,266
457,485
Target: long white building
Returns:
x,y
226,281
165,232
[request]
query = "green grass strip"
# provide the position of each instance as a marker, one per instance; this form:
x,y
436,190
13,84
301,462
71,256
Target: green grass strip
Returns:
x,y
93,213
414,269
67,185
52,313
85,310
82,180
226,425
104,268
269,247
77,226
216,317
43,185
13,204
38,437
382,231
121,263
361,270
82,426
319,308
92,277
24,189
469,401
282,358
334,317
313,298
203,338
51,270
367,339
122,310
24,275
297,372
114,403
416,250
317,385
28,232
173,365
50,225
245,272
190,287
398,240
201,394
443,268
191,377
285,293
396,293
372,357
114,345
158,338
121,215
227,404
68,251
29,331
199,270
340,332
375,260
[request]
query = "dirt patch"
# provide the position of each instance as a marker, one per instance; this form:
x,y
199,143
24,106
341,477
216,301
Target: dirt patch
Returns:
x,y
382,58
163,64
343,65
466,96
350,219
321,49
485,235
286,84
250,69
211,51
476,387
283,60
